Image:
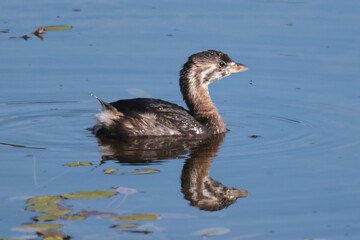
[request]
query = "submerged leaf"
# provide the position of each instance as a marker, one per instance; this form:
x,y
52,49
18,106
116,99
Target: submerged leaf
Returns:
x,y
145,171
93,213
125,226
57,28
212,232
134,217
41,225
76,164
89,195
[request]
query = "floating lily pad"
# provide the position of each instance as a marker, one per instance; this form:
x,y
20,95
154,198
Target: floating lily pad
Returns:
x,y
89,195
76,164
41,225
60,212
44,200
145,171
111,171
125,226
57,28
42,208
46,217
134,217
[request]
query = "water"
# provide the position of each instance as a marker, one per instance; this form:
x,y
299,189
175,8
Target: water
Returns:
x,y
300,95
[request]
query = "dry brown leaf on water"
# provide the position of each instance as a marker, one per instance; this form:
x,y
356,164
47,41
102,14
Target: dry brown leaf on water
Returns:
x,y
52,234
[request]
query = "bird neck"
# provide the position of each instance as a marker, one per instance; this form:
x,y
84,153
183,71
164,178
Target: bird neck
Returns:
x,y
197,98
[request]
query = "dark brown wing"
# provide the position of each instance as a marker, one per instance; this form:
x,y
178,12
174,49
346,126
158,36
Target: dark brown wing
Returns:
x,y
150,117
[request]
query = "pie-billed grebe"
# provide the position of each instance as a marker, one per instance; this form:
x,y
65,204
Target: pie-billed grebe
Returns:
x,y
142,117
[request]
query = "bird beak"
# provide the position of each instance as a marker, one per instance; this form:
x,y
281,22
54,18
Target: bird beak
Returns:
x,y
237,67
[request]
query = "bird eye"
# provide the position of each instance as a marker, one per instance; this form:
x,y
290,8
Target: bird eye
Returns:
x,y
222,64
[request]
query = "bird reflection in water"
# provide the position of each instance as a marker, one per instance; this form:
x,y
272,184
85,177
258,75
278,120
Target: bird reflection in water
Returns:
x,y
197,186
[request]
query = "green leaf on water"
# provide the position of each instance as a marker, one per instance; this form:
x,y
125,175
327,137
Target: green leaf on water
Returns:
x,y
134,217
125,226
145,171
57,28
44,200
42,208
89,195
60,212
46,217
76,164
41,225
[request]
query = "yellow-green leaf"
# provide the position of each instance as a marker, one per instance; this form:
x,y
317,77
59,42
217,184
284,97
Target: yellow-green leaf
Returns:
x,y
41,225
76,164
89,194
60,212
57,28
110,170
125,226
145,171
44,200
134,217
42,208
47,217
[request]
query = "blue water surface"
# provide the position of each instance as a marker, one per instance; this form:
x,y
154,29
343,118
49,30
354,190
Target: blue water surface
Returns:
x,y
300,96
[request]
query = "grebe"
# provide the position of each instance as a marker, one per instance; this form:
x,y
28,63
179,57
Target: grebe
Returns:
x,y
147,117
